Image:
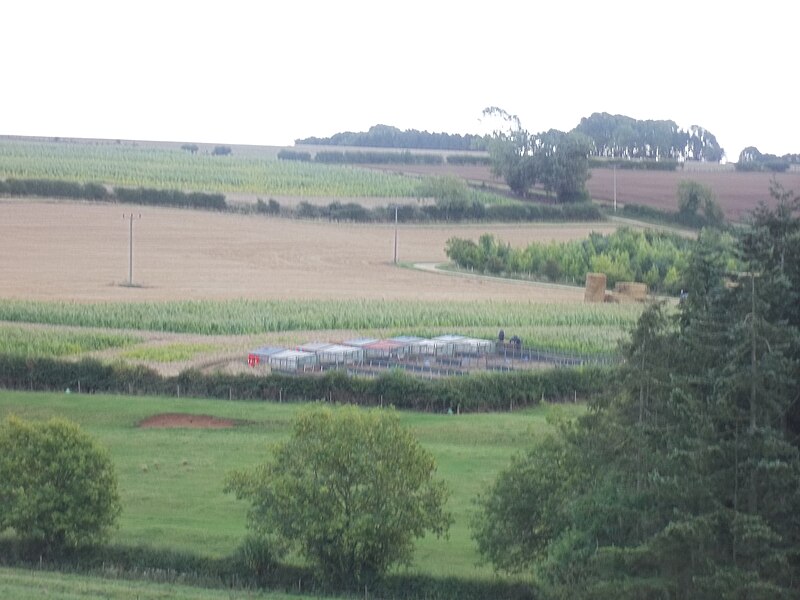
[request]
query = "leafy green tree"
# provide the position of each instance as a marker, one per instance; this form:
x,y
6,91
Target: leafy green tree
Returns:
x,y
694,197
521,512
58,489
684,482
351,488
512,153
556,160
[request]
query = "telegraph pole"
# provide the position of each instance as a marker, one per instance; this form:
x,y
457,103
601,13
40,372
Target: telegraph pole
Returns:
x,y
130,217
615,188
395,234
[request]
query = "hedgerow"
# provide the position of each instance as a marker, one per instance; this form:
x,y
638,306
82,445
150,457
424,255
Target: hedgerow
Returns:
x,y
478,392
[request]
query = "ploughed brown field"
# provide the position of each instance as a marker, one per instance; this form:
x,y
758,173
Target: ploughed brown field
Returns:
x,y
738,193
79,251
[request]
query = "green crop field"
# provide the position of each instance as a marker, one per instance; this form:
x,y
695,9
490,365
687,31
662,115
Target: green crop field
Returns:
x,y
171,480
19,341
580,328
171,168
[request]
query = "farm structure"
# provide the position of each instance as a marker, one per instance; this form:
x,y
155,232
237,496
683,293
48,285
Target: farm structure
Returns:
x,y
442,356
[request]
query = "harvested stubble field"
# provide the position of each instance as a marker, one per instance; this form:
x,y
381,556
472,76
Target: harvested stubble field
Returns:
x,y
80,251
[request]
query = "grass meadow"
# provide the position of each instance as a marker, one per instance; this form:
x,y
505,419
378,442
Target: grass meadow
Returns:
x,y
171,480
23,584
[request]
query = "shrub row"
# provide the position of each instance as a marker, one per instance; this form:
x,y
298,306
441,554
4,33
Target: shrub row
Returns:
x,y
156,197
54,189
468,159
378,158
94,191
648,213
636,165
232,572
294,155
451,211
476,392
382,158
777,165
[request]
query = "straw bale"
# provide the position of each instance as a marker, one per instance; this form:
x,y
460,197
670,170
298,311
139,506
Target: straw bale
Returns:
x,y
595,287
631,290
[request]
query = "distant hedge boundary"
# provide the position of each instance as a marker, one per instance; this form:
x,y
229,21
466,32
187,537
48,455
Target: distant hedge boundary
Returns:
x,y
451,211
96,192
478,392
633,165
375,157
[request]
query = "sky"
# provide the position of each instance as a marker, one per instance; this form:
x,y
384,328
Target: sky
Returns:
x,y
269,72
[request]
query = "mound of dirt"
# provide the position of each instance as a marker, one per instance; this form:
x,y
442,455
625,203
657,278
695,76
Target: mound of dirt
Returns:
x,y
186,421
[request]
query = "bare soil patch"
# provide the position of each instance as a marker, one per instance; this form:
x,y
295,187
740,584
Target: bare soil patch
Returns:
x,y
186,421
79,251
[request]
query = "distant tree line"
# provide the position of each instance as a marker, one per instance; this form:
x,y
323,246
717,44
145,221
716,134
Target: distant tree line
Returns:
x,y
386,136
657,259
379,158
618,136
750,159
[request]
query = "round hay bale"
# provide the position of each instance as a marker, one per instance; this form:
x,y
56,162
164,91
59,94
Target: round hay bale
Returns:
x,y
595,287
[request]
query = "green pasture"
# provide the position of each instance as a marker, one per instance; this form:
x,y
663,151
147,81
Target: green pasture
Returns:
x,y
171,480
24,584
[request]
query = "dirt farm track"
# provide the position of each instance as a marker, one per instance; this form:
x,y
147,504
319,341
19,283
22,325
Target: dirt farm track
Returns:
x,y
79,251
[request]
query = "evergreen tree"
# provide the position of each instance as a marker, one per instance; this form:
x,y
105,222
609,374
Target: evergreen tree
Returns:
x,y
684,482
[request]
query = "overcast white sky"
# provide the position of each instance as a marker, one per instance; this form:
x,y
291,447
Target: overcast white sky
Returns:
x,y
269,72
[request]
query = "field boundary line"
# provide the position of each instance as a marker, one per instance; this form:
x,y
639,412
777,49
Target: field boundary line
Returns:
x,y
433,267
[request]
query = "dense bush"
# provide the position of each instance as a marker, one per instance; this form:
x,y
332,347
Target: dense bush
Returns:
x,y
350,489
657,259
156,197
58,489
478,392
